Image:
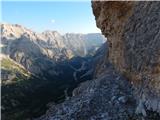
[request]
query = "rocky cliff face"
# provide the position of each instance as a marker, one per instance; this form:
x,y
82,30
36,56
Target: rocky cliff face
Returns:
x,y
133,33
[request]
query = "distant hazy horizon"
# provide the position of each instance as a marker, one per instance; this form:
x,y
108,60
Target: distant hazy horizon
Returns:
x,y
61,16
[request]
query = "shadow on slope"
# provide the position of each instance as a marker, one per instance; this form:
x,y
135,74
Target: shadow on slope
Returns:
x,y
30,97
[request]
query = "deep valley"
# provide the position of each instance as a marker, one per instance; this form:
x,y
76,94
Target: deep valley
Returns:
x,y
40,70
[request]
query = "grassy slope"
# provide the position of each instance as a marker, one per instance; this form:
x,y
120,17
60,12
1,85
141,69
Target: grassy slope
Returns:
x,y
13,68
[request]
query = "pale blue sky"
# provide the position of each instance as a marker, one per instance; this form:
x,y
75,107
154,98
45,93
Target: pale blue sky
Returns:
x,y
62,16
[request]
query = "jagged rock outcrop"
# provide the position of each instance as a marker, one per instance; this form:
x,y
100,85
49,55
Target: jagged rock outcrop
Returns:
x,y
133,33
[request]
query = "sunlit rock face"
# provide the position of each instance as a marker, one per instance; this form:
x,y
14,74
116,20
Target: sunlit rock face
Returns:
x,y
18,38
133,33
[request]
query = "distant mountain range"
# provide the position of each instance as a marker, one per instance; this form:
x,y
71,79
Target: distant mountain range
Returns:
x,y
29,48
42,66
52,43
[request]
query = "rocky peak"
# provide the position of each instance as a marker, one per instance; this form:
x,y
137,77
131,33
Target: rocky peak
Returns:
x,y
13,31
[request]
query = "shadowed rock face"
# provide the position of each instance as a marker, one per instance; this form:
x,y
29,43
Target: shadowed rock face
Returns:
x,y
133,33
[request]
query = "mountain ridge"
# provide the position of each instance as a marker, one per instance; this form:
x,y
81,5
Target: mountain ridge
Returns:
x,y
15,31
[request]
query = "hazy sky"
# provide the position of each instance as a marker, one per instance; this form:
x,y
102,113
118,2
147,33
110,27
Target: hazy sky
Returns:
x,y
63,16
